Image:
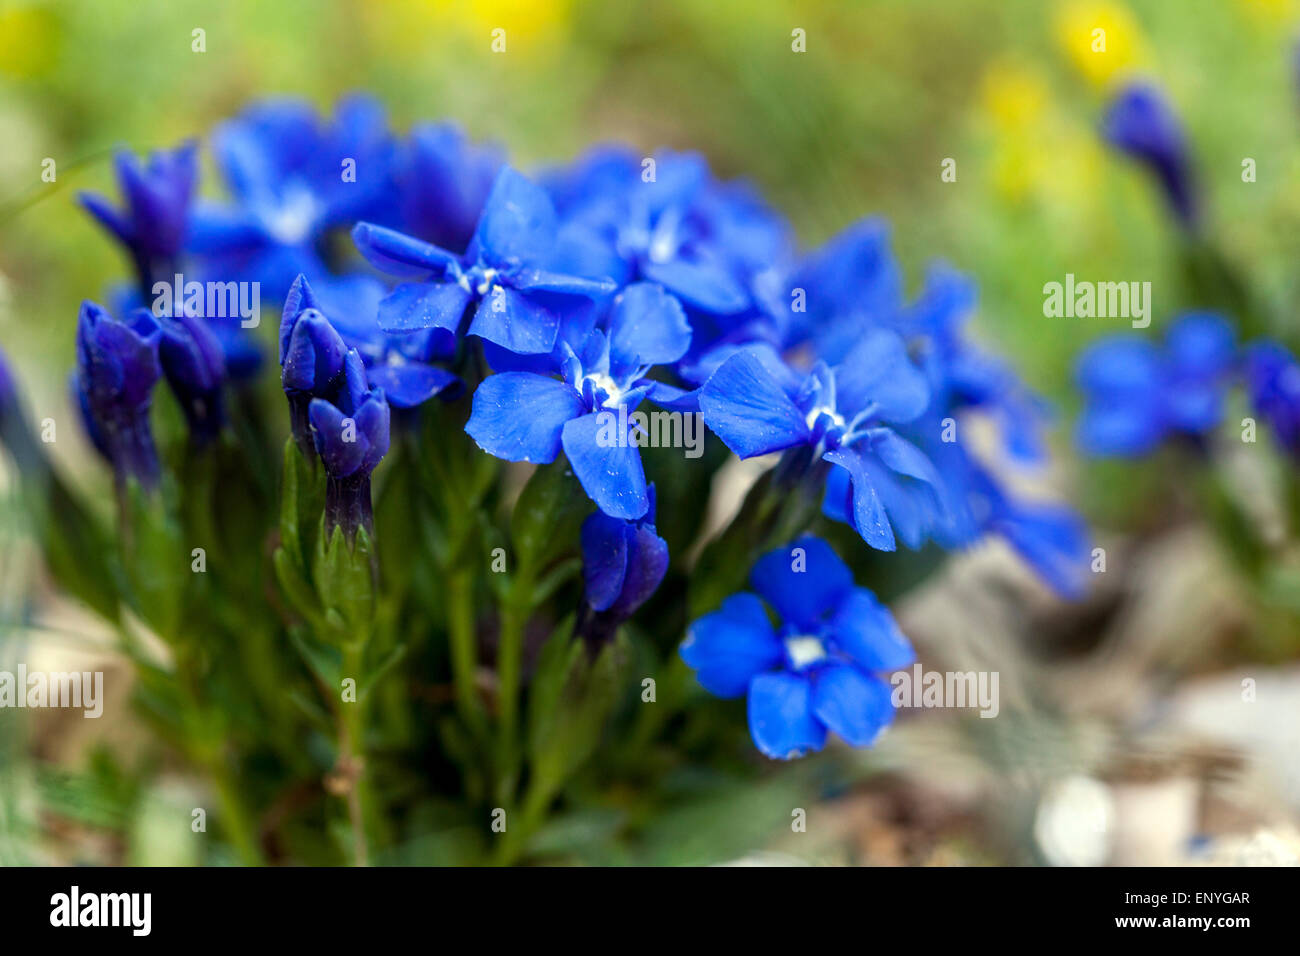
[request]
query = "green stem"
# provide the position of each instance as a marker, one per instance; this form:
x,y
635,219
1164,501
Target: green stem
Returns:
x,y
352,756
515,611
234,819
463,636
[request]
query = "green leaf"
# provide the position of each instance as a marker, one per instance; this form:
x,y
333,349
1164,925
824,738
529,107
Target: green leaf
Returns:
x,y
548,514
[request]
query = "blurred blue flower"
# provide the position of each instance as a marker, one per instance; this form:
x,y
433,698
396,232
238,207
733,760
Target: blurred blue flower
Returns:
x,y
672,226
193,362
526,416
1141,122
520,300
844,414
443,181
1273,383
1137,395
117,368
293,178
154,220
818,669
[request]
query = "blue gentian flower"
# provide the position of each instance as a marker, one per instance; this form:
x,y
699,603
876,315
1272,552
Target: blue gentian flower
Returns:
x,y
963,376
852,283
520,301
194,364
525,416
154,220
1141,122
443,181
1137,395
616,223
350,426
818,669
623,563
117,368
844,414
1273,383
285,170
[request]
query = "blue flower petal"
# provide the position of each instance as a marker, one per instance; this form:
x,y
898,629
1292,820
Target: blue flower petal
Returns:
x,y
781,720
413,306
604,558
519,416
730,647
516,321
877,372
518,221
398,254
864,629
748,410
610,470
706,285
412,384
646,327
802,597
852,704
869,516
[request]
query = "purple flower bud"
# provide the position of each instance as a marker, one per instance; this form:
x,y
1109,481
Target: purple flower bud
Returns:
x,y
193,362
117,368
623,563
350,426
1273,383
155,219
1141,122
312,355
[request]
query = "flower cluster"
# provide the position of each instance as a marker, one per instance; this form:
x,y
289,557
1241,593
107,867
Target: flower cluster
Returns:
x,y
1138,396
561,303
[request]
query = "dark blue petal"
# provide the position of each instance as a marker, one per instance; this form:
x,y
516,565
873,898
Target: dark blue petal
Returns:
x,y
604,558
706,285
518,222
412,384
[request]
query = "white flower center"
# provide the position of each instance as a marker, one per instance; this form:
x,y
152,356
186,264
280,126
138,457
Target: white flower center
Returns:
x,y
835,417
803,650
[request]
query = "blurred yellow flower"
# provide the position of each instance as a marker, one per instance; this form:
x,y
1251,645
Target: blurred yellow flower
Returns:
x,y
1013,95
28,39
414,23
1100,39
1268,12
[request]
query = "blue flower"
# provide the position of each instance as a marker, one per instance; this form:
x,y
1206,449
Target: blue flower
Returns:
x,y
443,181
1273,383
623,563
520,301
117,368
1137,395
154,222
194,365
843,413
350,427
674,229
525,416
818,669
293,178
1141,123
